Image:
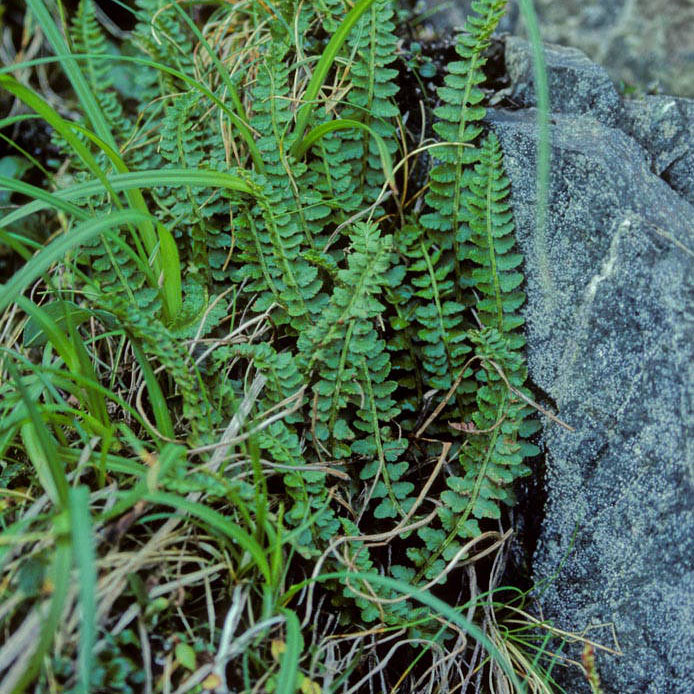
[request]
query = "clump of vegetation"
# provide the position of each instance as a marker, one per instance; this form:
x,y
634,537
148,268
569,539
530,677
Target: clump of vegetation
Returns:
x,y
262,397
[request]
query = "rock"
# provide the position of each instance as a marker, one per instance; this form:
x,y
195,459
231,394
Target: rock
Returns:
x,y
610,329
643,43
640,42
664,125
576,85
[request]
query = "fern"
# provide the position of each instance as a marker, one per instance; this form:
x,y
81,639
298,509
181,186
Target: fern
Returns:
x,y
88,38
495,275
499,425
340,342
460,118
273,234
197,212
363,326
373,85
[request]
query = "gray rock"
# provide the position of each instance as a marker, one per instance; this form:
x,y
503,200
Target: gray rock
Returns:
x,y
576,85
642,43
664,125
610,328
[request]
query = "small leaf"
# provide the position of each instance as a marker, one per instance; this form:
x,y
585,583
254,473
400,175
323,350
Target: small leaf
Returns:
x,y
308,686
277,647
211,682
185,655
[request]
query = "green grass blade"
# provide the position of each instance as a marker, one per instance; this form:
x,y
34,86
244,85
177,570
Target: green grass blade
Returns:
x,y
221,70
345,123
162,418
323,67
59,576
293,647
217,521
56,251
49,199
242,127
171,291
44,321
35,452
44,441
70,348
57,310
424,597
148,178
134,196
51,116
85,560
543,148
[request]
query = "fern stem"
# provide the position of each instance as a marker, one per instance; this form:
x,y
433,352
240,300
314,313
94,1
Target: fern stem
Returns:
x,y
335,400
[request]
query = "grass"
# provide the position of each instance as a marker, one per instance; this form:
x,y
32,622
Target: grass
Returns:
x,y
148,543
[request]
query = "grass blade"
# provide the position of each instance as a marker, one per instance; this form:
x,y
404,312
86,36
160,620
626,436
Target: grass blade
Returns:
x,y
148,178
57,249
343,124
424,597
160,409
85,560
44,442
171,291
323,67
543,147
217,521
59,576
293,647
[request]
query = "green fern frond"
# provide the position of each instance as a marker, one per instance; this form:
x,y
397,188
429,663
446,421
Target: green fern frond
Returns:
x,y
491,247
459,121
88,38
373,45
191,210
337,345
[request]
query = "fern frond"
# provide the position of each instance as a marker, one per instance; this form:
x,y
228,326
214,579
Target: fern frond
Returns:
x,y
191,211
459,121
373,45
337,345
491,247
88,38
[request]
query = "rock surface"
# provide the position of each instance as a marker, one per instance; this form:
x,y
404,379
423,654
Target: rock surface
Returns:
x,y
664,126
610,328
576,85
642,43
